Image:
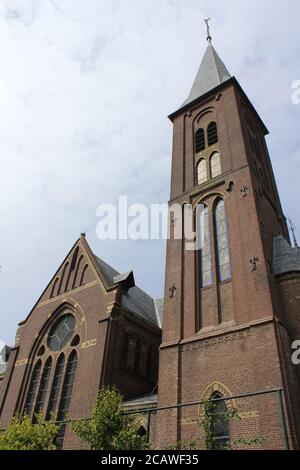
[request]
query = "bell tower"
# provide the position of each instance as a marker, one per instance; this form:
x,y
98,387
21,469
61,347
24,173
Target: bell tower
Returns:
x,y
224,321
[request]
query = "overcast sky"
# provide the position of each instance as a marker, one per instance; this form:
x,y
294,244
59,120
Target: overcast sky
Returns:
x,y
85,88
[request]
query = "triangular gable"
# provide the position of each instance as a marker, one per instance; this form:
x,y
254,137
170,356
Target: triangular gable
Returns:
x,y
78,269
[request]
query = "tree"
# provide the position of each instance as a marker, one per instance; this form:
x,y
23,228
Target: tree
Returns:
x,y
21,434
110,428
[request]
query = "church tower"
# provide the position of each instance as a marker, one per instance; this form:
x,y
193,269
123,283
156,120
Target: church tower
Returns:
x,y
226,327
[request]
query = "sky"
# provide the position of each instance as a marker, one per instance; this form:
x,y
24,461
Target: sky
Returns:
x,y
85,90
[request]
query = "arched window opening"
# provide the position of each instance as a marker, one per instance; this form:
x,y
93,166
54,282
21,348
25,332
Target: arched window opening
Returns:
x,y
83,275
32,388
41,351
63,278
124,352
141,432
137,357
201,171
219,422
66,395
72,267
223,259
199,140
39,405
203,242
79,263
215,165
56,383
54,288
212,133
75,341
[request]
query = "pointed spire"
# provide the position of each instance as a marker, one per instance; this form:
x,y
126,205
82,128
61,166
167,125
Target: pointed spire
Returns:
x,y
212,72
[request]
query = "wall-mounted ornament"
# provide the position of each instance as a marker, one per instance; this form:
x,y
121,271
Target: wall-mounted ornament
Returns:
x,y
172,291
254,261
244,190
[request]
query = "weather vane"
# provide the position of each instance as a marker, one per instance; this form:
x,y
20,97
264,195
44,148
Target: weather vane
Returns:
x,y
209,38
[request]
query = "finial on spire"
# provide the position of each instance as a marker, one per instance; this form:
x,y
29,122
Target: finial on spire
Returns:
x,y
209,38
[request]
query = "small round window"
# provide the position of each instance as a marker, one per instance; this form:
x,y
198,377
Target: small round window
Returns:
x,y
61,332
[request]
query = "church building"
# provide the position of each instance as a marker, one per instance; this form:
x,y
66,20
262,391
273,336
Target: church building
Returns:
x,y
230,313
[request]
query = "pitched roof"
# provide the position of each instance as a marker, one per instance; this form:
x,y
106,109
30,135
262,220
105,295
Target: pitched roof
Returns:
x,y
212,72
134,298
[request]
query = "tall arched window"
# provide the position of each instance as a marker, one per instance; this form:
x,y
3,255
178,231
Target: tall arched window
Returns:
x,y
201,171
149,364
219,423
66,395
39,405
56,383
32,388
212,133
137,357
199,140
203,241
223,259
215,165
124,352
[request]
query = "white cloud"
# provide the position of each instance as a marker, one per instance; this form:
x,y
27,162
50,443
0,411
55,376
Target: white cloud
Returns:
x,y
85,88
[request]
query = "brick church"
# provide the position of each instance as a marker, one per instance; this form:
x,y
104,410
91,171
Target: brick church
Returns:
x,y
230,312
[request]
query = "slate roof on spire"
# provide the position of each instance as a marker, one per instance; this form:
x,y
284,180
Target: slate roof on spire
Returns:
x,y
212,72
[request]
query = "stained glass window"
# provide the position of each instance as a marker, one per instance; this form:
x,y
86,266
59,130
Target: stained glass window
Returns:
x,y
215,165
202,171
43,387
32,388
223,260
203,240
66,395
58,374
61,332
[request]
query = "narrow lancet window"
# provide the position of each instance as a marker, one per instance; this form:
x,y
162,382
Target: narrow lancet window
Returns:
x,y
223,260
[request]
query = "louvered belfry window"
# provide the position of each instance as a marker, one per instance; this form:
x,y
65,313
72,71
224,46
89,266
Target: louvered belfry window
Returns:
x,y
212,133
199,140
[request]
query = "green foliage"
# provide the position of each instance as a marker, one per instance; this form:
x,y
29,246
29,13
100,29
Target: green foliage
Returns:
x,y
109,428
183,445
207,420
21,434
